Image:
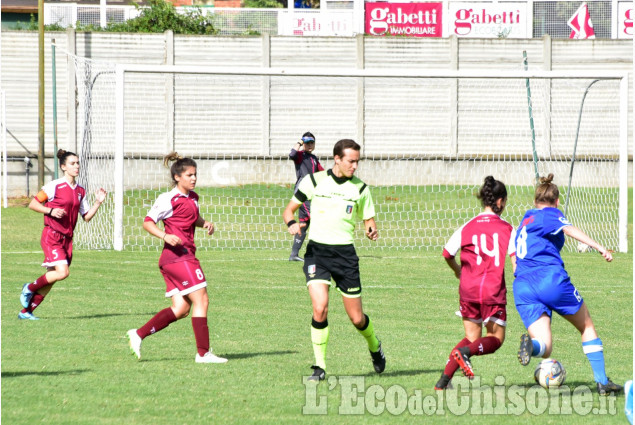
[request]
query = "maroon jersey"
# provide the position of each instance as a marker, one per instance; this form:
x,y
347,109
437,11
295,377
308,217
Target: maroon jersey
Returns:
x,y
484,242
60,194
179,212
305,163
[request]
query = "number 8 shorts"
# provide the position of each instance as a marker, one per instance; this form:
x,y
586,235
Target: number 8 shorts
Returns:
x,y
183,277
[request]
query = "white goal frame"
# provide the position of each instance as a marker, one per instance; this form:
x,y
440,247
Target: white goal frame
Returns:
x,y
122,69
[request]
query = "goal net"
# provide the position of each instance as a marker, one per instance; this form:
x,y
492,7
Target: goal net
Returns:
x,y
428,141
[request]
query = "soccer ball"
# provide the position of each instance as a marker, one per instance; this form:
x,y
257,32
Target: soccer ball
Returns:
x,y
550,373
582,247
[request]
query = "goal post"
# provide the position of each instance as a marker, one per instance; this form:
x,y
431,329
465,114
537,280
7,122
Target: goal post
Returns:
x,y
428,140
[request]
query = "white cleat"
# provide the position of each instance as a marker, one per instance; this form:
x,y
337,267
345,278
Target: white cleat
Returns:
x,y
209,357
134,341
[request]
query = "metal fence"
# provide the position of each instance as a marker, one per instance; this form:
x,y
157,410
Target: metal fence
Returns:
x,y
340,18
550,17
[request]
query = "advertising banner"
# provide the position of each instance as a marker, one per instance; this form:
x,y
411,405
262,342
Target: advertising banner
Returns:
x,y
625,19
407,19
316,23
488,20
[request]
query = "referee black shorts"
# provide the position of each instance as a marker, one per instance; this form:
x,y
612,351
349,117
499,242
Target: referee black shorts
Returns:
x,y
340,262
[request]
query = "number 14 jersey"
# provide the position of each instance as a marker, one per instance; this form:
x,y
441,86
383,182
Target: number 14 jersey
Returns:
x,y
484,242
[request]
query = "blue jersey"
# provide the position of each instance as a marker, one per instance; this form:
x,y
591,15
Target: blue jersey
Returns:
x,y
542,285
539,239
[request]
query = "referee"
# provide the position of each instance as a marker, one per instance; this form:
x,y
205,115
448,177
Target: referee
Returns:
x,y
338,201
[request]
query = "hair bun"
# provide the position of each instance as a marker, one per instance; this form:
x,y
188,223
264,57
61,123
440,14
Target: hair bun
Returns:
x,y
171,157
546,180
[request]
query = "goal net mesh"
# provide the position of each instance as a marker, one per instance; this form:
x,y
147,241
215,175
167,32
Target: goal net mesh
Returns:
x,y
427,145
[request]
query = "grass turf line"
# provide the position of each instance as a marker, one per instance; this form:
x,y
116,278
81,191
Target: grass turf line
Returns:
x,y
74,366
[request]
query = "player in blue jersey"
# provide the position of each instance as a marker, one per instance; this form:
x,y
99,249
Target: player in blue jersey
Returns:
x,y
542,285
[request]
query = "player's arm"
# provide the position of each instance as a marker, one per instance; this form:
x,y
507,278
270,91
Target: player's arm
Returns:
x,y
303,193
207,225
151,227
288,216
580,236
37,205
295,150
511,249
456,267
100,198
451,249
319,166
371,229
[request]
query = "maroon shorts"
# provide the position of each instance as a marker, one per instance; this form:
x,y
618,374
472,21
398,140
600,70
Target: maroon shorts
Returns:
x,y
183,277
483,313
58,249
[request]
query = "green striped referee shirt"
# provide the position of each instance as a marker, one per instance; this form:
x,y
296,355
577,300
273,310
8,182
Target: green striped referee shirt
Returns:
x,y
337,204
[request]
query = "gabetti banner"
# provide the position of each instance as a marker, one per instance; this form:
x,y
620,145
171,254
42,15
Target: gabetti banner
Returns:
x,y
315,24
625,19
411,19
488,20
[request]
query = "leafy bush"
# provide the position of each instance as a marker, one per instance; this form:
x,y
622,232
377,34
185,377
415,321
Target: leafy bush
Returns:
x,y
263,4
159,17
32,25
162,16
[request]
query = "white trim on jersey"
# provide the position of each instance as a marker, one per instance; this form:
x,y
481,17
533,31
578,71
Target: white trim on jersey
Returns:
x,y
454,243
559,229
49,188
162,207
84,206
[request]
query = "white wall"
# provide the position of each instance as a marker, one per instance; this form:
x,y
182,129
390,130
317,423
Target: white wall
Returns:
x,y
273,130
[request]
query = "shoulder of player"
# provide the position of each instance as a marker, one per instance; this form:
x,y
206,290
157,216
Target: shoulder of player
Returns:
x,y
553,212
57,183
361,186
167,197
505,222
317,177
490,219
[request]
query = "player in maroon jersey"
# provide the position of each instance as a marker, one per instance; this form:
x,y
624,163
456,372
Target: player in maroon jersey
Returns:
x,y
61,201
484,242
181,270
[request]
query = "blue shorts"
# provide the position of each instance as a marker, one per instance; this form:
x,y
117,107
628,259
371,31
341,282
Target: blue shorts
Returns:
x,y
545,291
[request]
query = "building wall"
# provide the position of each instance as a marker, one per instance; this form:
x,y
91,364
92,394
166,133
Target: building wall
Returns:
x,y
19,81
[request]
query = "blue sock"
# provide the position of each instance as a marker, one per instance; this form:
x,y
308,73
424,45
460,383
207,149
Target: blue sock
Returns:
x,y
539,348
594,352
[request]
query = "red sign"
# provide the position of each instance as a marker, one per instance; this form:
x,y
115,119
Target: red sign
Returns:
x,y
411,19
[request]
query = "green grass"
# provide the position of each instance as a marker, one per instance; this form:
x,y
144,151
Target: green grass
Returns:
x,y
74,365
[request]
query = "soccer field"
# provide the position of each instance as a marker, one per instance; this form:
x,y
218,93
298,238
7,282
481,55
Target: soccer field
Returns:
x,y
74,365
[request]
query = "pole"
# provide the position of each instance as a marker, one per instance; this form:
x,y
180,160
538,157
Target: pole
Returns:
x,y
531,120
5,178
575,146
40,150
102,13
54,87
